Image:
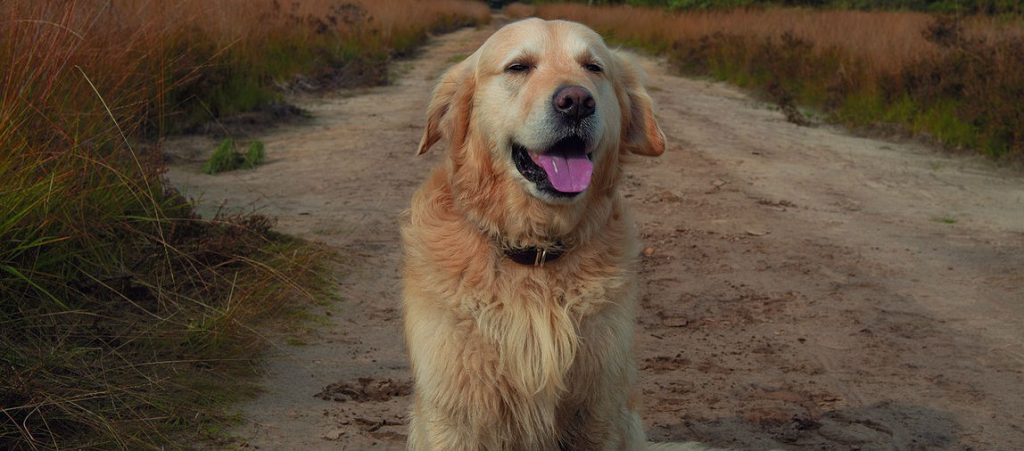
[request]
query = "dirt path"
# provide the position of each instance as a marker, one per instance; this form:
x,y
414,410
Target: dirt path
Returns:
x,y
808,289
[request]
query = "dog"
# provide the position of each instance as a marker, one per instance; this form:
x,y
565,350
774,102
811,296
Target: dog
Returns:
x,y
520,256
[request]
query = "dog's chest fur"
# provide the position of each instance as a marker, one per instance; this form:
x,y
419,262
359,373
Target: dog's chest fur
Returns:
x,y
522,332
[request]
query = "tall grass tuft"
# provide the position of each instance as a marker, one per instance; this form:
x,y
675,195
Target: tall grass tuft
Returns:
x,y
957,80
224,158
121,312
254,155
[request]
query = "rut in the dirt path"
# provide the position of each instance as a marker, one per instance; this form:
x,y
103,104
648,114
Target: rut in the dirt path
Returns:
x,y
803,288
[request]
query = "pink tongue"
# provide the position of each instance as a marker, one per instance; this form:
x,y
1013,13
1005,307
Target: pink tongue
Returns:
x,y
569,172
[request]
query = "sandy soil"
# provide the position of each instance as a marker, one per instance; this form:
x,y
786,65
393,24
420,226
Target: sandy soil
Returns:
x,y
808,289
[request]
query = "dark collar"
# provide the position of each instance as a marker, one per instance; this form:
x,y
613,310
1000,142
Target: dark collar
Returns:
x,y
535,256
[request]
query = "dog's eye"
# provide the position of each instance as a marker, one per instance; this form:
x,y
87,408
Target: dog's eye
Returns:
x,y
517,68
593,68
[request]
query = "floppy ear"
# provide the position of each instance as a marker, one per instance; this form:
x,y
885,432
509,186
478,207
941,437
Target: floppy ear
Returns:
x,y
448,110
642,134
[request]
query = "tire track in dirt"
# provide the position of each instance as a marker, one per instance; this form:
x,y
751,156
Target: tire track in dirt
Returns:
x,y
804,287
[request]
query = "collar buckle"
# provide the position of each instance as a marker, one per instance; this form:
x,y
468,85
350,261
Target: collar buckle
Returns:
x,y
535,256
540,258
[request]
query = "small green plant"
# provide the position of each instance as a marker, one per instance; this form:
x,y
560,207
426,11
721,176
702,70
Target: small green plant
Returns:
x,y
226,158
255,155
222,159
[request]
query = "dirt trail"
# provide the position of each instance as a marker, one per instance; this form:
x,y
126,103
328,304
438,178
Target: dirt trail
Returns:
x,y
808,289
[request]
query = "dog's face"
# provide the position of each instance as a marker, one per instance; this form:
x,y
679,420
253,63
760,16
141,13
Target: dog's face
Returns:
x,y
550,103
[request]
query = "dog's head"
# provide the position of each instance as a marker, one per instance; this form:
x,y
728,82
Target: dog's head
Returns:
x,y
548,106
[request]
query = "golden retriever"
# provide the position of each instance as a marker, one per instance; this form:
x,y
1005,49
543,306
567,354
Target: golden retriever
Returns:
x,y
520,280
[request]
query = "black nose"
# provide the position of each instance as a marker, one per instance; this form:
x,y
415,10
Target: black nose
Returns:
x,y
574,102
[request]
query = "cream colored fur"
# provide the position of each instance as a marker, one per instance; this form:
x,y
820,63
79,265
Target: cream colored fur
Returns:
x,y
513,357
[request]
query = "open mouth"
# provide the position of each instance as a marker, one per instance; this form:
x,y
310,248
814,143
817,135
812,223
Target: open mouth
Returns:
x,y
563,170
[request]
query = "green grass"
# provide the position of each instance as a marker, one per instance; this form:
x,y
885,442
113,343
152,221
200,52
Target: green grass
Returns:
x,y
226,158
254,156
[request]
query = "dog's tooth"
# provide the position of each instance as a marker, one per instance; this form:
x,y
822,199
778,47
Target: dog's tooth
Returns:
x,y
554,164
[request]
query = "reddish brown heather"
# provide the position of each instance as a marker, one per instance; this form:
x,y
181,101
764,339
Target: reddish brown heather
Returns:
x,y
888,40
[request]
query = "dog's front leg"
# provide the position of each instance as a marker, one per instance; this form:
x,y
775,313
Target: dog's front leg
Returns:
x,y
597,413
431,430
589,428
456,408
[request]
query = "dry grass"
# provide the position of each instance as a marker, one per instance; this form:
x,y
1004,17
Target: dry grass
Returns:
x,y
861,67
886,39
121,312
190,61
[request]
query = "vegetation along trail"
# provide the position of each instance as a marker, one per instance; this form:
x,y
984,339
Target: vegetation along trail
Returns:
x,y
803,288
